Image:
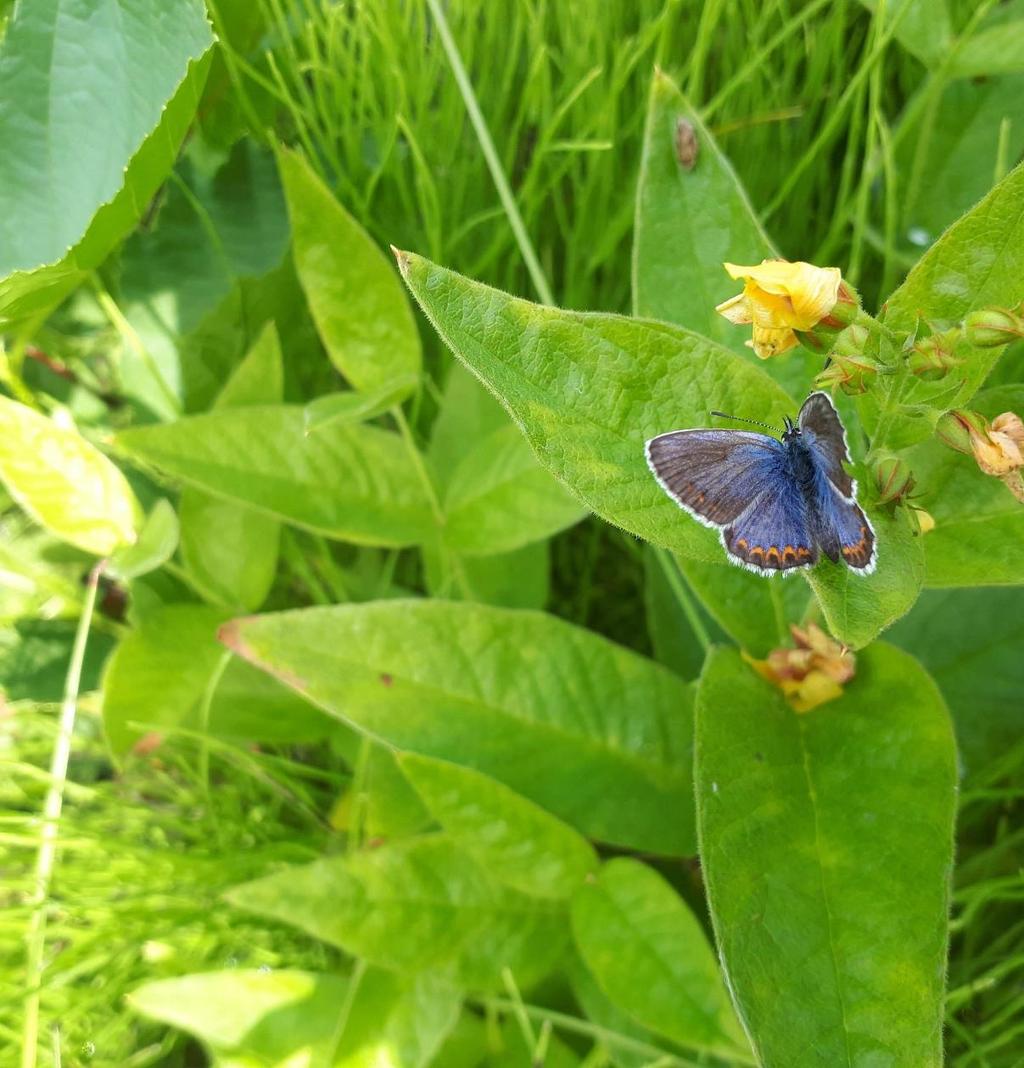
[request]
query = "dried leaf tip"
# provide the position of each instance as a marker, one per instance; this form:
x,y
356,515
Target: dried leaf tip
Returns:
x,y
812,673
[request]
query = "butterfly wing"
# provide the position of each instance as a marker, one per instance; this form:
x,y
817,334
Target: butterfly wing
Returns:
x,y
841,528
773,533
714,474
822,431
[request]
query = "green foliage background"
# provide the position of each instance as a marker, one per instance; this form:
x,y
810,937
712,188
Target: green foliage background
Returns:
x,y
414,726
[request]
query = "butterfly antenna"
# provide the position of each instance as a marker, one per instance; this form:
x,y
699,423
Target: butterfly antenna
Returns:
x,y
741,419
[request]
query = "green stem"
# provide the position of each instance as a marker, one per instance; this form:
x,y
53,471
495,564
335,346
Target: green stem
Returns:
x,y
675,580
483,135
204,719
36,935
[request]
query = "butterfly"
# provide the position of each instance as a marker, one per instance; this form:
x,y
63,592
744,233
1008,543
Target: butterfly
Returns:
x,y
778,504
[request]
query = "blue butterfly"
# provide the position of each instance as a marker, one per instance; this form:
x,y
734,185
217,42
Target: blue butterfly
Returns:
x,y
776,503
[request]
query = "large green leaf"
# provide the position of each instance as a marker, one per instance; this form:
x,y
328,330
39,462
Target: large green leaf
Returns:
x,y
588,390
411,905
498,498
34,656
827,850
283,1018
859,607
97,98
64,483
350,482
363,317
924,27
159,674
517,842
231,552
979,524
971,641
562,716
689,221
997,49
649,955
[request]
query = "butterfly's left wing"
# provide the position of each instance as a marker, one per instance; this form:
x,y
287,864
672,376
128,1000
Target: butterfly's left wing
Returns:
x,y
823,432
715,474
773,533
841,528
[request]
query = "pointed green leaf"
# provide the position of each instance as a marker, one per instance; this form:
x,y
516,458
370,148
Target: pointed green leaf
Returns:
x,y
827,850
361,313
690,219
650,956
589,389
155,545
924,28
499,498
353,407
518,579
979,523
349,482
859,607
411,905
557,713
231,552
516,841
64,483
87,144
998,49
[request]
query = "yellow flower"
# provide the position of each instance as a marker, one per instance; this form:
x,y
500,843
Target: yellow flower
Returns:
x,y
780,298
1001,449
812,673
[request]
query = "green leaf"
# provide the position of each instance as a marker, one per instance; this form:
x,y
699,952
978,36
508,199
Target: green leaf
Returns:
x,y
231,552
924,28
649,955
996,50
753,611
349,482
282,1017
859,607
516,841
689,221
159,674
557,713
411,905
978,262
499,498
675,643
87,144
979,524
34,658
970,640
363,317
64,483
827,849
155,545
518,579
589,389
352,407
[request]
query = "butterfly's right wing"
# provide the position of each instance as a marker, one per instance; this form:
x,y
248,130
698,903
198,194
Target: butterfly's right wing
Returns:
x,y
715,474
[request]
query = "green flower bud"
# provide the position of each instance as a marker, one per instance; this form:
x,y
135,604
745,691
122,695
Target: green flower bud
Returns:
x,y
992,328
955,429
893,479
932,357
851,374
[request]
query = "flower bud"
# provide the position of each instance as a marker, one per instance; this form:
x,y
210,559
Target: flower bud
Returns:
x,y
853,340
893,479
852,374
992,328
1000,449
932,357
956,428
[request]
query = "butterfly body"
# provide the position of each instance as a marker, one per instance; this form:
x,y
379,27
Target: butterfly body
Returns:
x,y
778,504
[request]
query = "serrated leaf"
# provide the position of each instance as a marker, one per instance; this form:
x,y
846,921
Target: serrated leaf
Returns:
x,y
649,955
361,313
516,841
412,905
75,177
689,221
498,498
970,641
230,551
858,608
349,482
827,850
64,483
557,713
979,524
589,389
154,546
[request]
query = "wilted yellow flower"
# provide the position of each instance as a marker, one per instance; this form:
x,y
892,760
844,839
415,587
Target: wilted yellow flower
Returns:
x,y
1001,449
780,298
812,673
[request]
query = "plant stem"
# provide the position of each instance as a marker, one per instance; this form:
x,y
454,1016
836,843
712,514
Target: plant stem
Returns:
x,y
483,135
36,935
675,580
